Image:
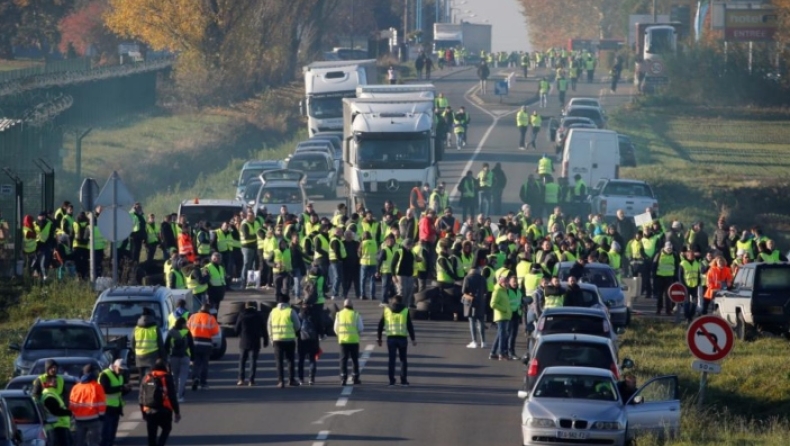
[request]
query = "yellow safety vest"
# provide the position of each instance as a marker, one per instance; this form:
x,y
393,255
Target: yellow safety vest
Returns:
x,y
282,258
42,235
486,179
386,265
552,193
649,245
554,301
545,167
491,279
152,233
60,383
195,285
369,250
514,296
522,118
113,399
145,340
282,325
332,254
395,323
203,248
29,244
223,240
320,241
62,421
347,332
666,265
419,265
216,275
690,272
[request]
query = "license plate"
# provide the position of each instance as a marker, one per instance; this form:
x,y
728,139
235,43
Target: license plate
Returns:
x,y
572,435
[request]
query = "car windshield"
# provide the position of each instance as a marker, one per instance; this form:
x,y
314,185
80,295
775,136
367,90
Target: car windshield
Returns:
x,y
62,338
585,387
68,368
216,215
315,147
574,353
575,323
246,174
251,191
23,410
773,279
281,195
627,190
600,277
309,163
588,102
124,314
661,41
394,153
575,120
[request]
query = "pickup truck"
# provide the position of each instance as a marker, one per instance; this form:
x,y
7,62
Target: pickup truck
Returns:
x,y
759,299
632,196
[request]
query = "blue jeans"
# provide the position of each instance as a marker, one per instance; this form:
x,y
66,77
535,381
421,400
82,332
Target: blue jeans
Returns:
x,y
297,288
485,202
477,326
335,277
386,287
500,342
249,255
368,273
110,427
513,334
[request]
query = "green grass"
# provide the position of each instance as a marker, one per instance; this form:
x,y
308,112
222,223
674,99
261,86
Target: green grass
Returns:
x,y
705,163
21,302
18,64
747,404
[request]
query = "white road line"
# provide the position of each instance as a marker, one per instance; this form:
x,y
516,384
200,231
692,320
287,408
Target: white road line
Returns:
x,y
136,415
347,390
323,435
122,434
128,425
341,402
369,347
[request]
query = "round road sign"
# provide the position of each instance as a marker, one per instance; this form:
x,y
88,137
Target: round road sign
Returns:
x,y
710,338
677,292
656,67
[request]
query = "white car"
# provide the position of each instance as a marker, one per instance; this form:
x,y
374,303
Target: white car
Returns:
x,y
588,102
632,196
583,405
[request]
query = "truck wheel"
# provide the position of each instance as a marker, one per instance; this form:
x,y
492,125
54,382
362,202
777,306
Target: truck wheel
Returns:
x,y
740,326
220,352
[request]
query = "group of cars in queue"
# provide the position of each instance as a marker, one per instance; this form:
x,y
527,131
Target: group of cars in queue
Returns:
x,y
575,389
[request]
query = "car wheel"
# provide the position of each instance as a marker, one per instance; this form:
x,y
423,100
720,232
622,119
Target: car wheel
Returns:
x,y
220,352
740,326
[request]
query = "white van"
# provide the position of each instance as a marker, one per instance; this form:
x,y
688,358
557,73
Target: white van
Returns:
x,y
592,153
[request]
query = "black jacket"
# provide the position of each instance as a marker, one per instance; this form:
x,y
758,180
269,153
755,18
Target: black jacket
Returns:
x,y
475,284
574,297
171,395
297,260
250,328
403,263
396,308
109,388
169,343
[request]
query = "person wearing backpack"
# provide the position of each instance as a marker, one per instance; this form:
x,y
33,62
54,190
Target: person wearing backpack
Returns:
x,y
283,325
180,345
147,342
308,343
158,403
250,328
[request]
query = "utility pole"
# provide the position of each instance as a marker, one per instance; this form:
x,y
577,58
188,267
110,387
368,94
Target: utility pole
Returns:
x,y
352,24
655,12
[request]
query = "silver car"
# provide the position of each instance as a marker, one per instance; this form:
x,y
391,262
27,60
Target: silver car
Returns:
x,y
611,290
579,320
29,416
583,405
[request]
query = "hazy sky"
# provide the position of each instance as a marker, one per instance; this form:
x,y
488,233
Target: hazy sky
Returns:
x,y
509,26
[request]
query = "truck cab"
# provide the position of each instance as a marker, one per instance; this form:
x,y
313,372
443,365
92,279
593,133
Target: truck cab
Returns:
x,y
759,299
326,84
214,211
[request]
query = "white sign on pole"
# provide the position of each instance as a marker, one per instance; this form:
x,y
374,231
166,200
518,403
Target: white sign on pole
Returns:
x,y
704,366
116,218
114,193
643,219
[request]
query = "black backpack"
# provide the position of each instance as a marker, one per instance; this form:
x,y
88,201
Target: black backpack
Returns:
x,y
308,331
152,392
179,344
309,290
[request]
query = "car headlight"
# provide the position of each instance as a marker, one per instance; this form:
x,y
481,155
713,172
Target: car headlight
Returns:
x,y
540,422
607,425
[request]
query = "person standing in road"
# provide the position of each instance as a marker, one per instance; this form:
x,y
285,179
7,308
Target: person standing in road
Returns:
x,y
482,73
522,123
52,400
114,381
138,235
88,404
485,179
348,326
500,303
515,296
351,264
467,200
403,261
562,88
475,287
180,346
498,188
216,281
147,342
536,121
397,323
428,67
543,92
203,326
615,73
589,66
250,328
384,262
665,272
283,325
337,253
419,64
308,343
248,239
159,412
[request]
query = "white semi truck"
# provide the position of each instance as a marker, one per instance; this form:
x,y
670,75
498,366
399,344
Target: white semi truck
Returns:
x,y
425,91
326,84
475,37
388,148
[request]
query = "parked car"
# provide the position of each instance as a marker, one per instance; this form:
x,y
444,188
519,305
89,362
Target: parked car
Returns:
x,y
578,350
59,338
25,382
71,365
759,299
30,417
320,174
573,320
604,278
214,211
555,124
336,139
586,111
627,151
251,169
565,125
632,196
582,405
10,434
283,187
593,154
589,102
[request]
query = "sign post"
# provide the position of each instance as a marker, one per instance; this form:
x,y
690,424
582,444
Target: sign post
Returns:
x,y
88,192
501,89
709,339
677,294
115,223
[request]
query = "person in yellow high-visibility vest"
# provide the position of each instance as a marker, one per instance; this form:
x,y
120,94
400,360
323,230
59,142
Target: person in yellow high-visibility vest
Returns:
x,y
152,238
536,121
283,326
522,122
397,324
348,327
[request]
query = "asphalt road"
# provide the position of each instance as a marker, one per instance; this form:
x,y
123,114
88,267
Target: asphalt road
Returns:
x,y
457,395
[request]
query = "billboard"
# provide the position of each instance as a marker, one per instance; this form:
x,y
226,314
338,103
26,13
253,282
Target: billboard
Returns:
x,y
750,25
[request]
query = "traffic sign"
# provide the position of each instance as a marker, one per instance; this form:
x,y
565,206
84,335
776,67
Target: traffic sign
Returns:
x,y
677,293
114,193
115,223
704,366
88,193
501,88
710,338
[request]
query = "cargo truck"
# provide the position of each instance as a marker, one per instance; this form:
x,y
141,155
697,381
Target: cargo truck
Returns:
x,y
475,37
654,41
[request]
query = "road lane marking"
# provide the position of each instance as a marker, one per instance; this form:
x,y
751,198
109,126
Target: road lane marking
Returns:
x,y
127,425
369,347
341,402
347,390
321,437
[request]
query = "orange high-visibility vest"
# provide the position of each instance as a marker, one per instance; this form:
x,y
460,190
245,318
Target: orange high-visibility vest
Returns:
x,y
87,401
185,247
203,327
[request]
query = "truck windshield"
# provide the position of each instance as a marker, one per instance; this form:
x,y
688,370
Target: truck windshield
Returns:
x,y
662,41
393,153
445,44
328,106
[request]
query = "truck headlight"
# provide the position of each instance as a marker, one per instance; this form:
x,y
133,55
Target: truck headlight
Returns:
x,y
607,425
540,422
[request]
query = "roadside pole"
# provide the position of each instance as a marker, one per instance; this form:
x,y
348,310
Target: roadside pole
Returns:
x,y
710,339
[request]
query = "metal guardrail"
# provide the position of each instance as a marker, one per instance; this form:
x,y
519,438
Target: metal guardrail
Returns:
x,y
57,66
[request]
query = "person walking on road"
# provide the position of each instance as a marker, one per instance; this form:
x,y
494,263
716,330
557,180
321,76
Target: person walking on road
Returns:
x,y
88,404
536,121
482,73
147,342
250,328
467,200
159,404
522,123
485,180
474,290
348,326
308,343
543,91
114,382
203,326
562,88
665,272
500,303
498,188
398,326
283,325
180,345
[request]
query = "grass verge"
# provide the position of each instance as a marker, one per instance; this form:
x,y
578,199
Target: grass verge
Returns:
x,y
708,162
18,64
747,404
22,301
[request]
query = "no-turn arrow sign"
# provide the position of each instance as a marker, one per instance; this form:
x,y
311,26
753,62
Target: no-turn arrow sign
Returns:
x,y
710,338
677,293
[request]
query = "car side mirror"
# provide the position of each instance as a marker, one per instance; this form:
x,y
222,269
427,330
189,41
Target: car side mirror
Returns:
x,y
639,399
13,346
628,363
523,394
